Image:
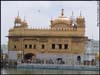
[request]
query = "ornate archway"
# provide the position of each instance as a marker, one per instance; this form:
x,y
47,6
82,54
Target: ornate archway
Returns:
x,y
79,59
28,56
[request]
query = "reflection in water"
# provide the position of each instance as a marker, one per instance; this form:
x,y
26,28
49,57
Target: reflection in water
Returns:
x,y
48,71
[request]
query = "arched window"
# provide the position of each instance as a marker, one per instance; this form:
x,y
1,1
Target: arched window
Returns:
x,y
34,47
30,46
78,58
43,46
14,46
53,46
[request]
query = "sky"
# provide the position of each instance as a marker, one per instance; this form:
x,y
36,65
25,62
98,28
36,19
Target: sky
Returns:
x,y
39,13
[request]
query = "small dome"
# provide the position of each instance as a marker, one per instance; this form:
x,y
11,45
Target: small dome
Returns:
x,y
18,20
80,17
24,23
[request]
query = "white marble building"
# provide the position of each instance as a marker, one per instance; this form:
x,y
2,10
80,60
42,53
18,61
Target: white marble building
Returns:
x,y
91,49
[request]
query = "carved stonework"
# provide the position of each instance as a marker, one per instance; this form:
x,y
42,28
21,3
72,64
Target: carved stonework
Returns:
x,y
43,40
15,39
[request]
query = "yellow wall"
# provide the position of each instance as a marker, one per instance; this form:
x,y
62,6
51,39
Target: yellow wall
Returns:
x,y
73,47
75,39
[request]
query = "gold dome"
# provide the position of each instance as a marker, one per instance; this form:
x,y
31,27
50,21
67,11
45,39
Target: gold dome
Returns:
x,y
80,17
24,23
18,19
61,20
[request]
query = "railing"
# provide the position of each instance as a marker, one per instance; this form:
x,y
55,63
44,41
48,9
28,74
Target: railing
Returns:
x,y
58,66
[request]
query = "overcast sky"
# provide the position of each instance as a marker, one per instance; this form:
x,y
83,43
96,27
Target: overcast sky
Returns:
x,y
39,13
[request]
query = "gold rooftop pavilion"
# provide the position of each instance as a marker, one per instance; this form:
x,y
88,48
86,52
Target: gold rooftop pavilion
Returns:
x,y
62,26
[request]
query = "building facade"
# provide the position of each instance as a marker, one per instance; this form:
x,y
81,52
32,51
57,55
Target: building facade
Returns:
x,y
91,52
65,39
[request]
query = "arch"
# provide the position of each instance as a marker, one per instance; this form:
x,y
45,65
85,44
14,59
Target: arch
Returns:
x,y
28,56
78,58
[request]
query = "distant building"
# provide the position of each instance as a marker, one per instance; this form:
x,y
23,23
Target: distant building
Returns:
x,y
64,40
4,52
4,49
91,49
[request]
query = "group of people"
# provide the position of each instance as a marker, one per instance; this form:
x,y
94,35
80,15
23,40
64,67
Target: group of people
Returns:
x,y
42,61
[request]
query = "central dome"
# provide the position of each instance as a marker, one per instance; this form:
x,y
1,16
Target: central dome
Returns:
x,y
61,20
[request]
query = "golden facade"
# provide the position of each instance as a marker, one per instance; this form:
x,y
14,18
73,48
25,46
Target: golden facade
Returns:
x,y
65,36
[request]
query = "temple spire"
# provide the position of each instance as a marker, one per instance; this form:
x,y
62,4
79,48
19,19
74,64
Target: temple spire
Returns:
x,y
24,18
80,13
18,13
72,13
62,12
